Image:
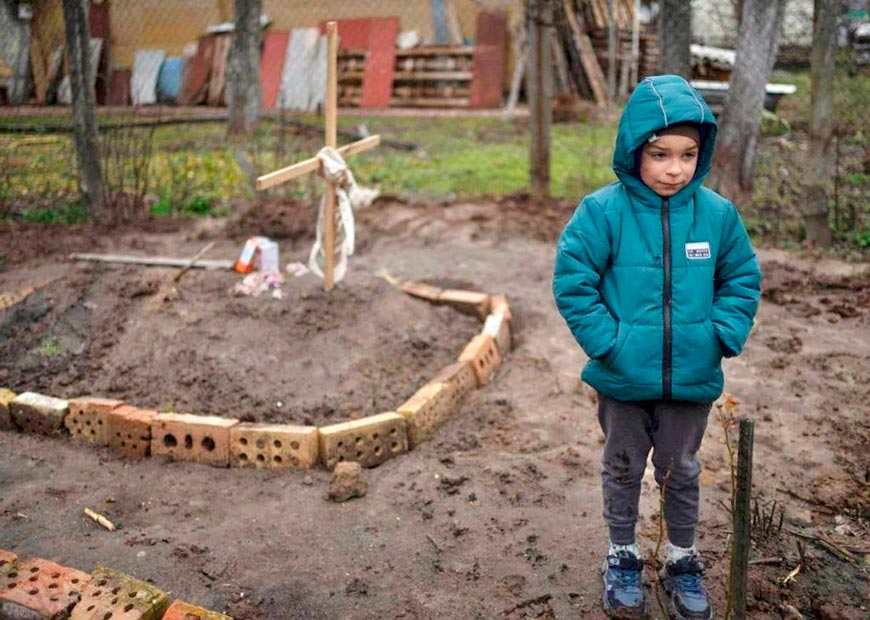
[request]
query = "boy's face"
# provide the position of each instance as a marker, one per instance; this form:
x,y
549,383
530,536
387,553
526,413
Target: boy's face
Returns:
x,y
668,164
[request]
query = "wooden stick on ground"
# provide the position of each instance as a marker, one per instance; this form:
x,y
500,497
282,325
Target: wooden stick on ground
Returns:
x,y
153,261
100,519
189,265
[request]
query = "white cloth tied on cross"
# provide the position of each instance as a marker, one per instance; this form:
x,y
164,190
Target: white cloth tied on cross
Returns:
x,y
349,197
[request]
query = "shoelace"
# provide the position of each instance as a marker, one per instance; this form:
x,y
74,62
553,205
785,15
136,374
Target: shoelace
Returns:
x,y
689,583
627,578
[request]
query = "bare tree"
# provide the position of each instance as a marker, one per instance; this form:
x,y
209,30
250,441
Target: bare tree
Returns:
x,y
81,75
539,87
820,157
675,36
244,92
757,44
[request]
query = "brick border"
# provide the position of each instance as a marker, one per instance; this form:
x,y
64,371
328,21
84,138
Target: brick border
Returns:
x,y
46,589
223,442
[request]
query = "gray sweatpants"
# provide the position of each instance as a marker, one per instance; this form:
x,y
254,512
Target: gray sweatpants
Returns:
x,y
673,430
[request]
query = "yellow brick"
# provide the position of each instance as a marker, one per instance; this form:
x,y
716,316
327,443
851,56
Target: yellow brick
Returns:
x,y
483,355
468,302
368,441
500,306
186,437
88,419
498,327
38,413
425,411
460,377
273,446
179,610
423,291
117,596
6,397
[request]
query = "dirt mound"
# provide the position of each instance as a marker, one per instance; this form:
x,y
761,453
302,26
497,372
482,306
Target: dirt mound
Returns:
x,y
276,218
309,358
807,293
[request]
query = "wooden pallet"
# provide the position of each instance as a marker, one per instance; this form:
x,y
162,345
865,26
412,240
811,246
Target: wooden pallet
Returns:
x,y
434,76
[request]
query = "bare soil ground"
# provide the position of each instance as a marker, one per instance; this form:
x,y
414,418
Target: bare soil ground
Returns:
x,y
499,515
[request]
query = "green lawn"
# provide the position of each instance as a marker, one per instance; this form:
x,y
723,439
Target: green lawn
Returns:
x,y
193,168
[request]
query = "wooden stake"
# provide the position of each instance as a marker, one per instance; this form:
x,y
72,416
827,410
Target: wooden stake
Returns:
x,y
331,121
742,521
97,517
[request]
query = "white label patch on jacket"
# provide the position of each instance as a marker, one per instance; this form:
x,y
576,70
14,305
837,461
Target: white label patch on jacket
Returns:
x,y
698,250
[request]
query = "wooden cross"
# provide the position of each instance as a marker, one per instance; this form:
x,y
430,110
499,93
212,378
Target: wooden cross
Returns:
x,y
312,165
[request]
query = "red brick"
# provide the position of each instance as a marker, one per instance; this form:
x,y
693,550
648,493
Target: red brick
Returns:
x,y
186,437
38,413
273,446
7,558
116,596
129,430
86,419
179,610
483,355
40,587
368,441
6,397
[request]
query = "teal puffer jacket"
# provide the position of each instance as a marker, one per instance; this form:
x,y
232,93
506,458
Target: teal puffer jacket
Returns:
x,y
657,291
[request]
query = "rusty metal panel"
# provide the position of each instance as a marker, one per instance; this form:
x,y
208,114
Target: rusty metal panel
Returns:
x,y
489,60
272,65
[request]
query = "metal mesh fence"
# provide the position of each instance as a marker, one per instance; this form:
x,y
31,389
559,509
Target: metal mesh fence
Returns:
x,y
432,76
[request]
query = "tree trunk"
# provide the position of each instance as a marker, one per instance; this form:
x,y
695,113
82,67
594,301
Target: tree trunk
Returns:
x,y
757,43
539,90
244,92
820,156
81,75
675,36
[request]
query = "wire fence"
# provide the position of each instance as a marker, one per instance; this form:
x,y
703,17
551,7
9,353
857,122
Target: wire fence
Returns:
x,y
160,79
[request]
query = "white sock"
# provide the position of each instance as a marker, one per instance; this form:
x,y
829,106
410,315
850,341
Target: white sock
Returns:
x,y
676,553
632,548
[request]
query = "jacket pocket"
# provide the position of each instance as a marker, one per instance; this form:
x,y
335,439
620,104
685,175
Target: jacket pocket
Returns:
x,y
708,325
622,332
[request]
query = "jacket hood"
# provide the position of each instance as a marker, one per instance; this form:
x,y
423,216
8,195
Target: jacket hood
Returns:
x,y
658,102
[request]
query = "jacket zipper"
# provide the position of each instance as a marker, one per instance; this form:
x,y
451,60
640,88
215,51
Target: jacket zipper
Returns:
x,y
666,305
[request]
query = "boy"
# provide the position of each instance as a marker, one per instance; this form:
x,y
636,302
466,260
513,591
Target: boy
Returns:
x,y
657,281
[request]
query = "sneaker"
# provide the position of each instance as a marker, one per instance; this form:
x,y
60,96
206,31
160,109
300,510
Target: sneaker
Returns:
x,y
624,597
683,583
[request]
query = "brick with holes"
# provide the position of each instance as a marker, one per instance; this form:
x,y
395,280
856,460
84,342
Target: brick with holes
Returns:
x,y
498,327
273,446
112,595
481,352
468,302
129,431
186,437
38,588
179,610
87,421
8,561
425,411
421,291
460,376
6,397
437,400
38,413
368,441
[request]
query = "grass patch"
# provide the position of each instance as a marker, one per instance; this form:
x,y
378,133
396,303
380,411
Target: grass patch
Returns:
x,y
48,347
